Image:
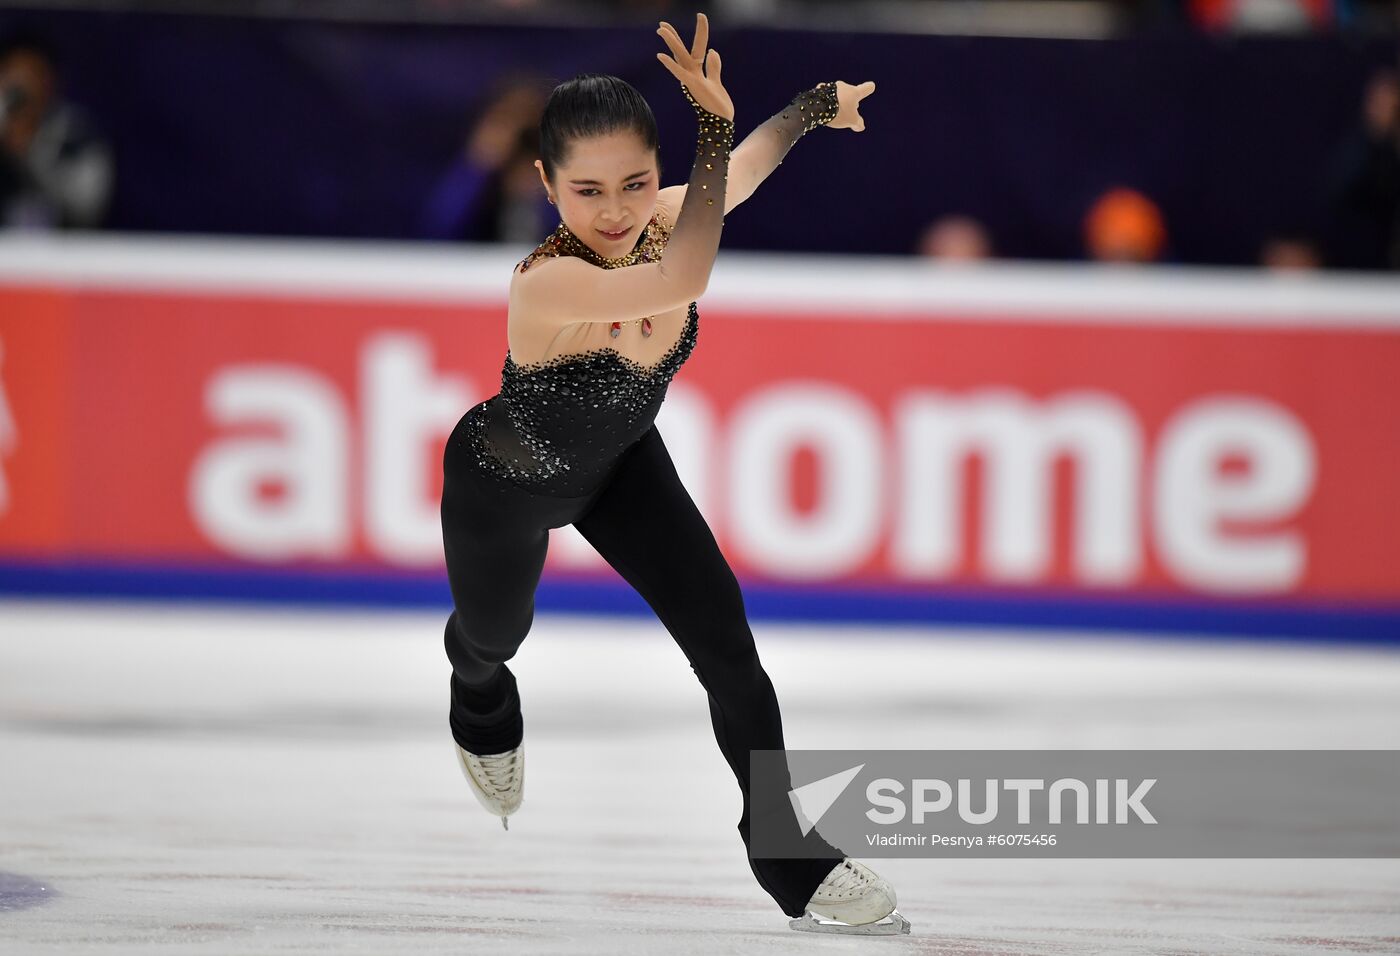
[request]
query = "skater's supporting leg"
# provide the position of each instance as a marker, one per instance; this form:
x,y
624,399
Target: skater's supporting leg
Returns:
x,y
645,524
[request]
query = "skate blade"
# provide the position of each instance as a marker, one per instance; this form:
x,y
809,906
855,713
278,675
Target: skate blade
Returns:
x,y
892,925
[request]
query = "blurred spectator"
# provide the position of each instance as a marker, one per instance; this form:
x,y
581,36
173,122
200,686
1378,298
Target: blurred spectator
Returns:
x,y
492,192
55,171
956,238
1289,254
1123,225
1366,189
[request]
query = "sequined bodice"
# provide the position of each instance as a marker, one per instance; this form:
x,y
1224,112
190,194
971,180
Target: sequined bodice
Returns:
x,y
557,426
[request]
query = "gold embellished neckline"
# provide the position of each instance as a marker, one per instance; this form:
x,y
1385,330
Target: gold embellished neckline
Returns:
x,y
570,244
563,242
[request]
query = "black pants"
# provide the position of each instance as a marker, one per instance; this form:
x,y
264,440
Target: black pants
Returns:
x,y
644,523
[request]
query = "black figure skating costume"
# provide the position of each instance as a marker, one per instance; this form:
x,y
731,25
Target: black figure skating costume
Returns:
x,y
573,440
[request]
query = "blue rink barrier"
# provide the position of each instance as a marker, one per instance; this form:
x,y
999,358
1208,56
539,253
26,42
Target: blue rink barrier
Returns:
x,y
1289,619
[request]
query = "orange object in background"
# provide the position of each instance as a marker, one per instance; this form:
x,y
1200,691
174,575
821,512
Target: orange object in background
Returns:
x,y
1123,225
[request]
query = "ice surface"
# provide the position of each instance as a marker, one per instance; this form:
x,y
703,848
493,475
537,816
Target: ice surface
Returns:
x,y
182,778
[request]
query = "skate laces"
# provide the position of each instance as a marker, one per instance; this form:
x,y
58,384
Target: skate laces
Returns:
x,y
844,880
500,769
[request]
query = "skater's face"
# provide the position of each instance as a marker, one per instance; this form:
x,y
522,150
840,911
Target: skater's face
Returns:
x,y
606,186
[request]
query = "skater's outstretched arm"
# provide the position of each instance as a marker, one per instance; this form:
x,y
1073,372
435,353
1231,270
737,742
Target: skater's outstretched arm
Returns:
x,y
572,290
827,104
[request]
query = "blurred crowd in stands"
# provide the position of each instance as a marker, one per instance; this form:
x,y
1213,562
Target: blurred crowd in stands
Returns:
x,y
57,170
492,193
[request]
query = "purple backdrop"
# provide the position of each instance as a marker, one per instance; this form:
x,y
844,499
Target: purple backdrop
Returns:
x,y
337,129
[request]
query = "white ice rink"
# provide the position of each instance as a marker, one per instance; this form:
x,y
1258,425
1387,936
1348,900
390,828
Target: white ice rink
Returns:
x,y
186,779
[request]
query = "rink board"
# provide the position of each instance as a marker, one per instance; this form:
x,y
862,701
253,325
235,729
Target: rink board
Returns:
x,y
869,438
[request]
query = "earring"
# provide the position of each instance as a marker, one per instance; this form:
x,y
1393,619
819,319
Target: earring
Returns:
x,y
551,200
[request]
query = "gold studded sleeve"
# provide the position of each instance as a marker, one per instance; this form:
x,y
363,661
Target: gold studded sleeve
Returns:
x,y
808,110
694,242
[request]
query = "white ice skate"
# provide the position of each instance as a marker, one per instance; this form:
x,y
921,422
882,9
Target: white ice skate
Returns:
x,y
855,902
498,780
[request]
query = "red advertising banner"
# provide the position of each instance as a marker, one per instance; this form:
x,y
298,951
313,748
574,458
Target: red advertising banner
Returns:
x,y
927,438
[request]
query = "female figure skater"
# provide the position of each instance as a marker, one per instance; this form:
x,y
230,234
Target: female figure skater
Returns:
x,y
601,316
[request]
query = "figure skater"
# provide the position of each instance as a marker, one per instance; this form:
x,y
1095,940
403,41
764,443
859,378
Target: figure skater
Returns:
x,y
601,316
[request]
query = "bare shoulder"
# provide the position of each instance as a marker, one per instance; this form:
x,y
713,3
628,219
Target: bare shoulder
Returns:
x,y
538,281
538,270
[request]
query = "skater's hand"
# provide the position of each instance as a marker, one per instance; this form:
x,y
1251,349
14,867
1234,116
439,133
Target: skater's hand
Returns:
x,y
696,68
848,99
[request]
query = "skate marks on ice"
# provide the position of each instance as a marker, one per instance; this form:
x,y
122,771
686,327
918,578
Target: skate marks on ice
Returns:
x,y
255,782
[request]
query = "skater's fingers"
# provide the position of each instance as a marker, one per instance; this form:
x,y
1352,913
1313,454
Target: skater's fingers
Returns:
x,y
702,36
673,40
671,65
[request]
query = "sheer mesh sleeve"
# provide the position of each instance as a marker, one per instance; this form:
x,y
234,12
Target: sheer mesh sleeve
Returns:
x,y
807,110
